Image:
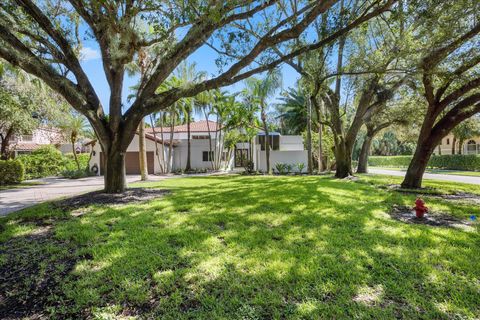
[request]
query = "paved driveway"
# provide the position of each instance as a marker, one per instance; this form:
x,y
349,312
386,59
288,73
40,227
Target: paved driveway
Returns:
x,y
433,176
49,189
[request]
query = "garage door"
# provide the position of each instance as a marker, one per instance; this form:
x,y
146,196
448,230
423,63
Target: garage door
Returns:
x,y
132,163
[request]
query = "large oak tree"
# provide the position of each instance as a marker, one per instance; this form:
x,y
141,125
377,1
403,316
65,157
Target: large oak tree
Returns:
x,y
449,76
45,37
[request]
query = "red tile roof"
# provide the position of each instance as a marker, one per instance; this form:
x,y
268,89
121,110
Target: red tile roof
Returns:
x,y
151,137
26,146
198,126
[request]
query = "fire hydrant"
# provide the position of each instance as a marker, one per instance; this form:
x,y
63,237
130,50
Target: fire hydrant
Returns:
x,y
420,208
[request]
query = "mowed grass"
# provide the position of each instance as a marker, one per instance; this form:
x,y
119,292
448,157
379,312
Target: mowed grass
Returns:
x,y
264,248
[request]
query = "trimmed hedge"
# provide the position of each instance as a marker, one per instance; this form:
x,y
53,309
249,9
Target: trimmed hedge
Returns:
x,y
43,162
11,172
389,161
469,162
449,162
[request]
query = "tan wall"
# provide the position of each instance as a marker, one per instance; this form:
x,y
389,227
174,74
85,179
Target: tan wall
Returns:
x,y
446,145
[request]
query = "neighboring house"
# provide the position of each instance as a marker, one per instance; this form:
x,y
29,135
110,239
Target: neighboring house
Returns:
x,y
285,149
26,143
470,146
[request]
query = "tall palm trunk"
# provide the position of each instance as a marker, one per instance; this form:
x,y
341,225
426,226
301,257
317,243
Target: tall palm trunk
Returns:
x,y
309,136
267,139
160,159
170,147
163,166
188,166
218,154
73,139
142,154
209,137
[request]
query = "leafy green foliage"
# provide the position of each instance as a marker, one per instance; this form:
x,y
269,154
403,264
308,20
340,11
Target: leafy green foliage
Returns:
x,y
49,161
43,162
11,172
449,162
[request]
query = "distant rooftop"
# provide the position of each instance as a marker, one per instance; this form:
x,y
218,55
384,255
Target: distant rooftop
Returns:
x,y
197,126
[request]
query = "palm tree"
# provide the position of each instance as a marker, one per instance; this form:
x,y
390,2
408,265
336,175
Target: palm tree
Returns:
x,y
259,90
73,127
292,110
187,75
203,104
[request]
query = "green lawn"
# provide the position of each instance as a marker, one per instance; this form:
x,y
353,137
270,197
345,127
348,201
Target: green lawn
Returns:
x,y
252,248
438,171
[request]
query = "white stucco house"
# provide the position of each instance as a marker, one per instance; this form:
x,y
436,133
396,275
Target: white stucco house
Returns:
x,y
158,146
285,149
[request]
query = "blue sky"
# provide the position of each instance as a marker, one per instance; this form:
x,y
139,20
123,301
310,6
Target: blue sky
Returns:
x,y
204,58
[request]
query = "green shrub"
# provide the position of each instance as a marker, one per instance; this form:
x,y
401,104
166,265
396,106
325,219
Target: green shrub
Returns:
x,y
281,168
469,162
43,162
11,172
249,166
71,165
300,167
447,162
389,161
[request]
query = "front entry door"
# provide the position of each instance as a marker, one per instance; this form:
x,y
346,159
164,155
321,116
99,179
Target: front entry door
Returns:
x,y
241,157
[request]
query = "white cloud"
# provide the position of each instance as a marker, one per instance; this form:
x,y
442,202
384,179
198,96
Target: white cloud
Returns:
x,y
88,53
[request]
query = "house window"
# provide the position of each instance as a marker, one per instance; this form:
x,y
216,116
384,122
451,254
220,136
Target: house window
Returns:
x,y
27,137
448,141
199,137
274,142
207,156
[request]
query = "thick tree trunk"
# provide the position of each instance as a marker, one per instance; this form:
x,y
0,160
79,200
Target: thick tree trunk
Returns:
x,y
142,151
460,146
364,153
4,153
188,166
320,148
416,169
426,144
114,177
4,149
343,158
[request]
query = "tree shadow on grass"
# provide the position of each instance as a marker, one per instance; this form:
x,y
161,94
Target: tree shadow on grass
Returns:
x,y
266,248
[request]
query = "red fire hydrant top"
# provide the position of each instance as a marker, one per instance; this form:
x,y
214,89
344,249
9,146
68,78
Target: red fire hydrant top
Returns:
x,y
420,208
